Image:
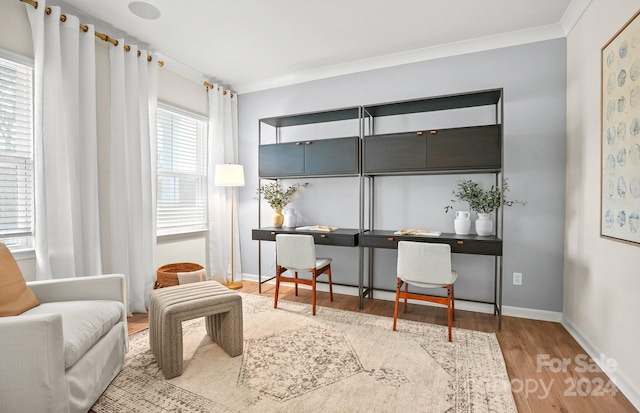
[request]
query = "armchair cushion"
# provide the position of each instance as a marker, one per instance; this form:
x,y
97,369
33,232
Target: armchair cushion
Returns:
x,y
15,296
83,323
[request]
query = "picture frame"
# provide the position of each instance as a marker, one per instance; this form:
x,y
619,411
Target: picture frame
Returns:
x,y
620,135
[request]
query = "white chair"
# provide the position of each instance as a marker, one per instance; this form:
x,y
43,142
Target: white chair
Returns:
x,y
425,265
298,253
61,355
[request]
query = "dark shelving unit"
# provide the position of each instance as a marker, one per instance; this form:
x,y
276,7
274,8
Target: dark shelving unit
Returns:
x,y
458,150
318,158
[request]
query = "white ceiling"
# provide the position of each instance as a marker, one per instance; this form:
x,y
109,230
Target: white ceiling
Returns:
x,y
258,44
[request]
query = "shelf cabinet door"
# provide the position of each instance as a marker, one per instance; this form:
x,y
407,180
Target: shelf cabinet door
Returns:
x,y
331,156
476,147
395,152
281,159
337,156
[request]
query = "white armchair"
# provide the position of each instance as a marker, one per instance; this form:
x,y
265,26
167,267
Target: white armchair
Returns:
x,y
61,355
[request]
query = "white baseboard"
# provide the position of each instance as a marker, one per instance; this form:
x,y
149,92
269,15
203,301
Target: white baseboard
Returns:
x,y
615,376
519,312
532,313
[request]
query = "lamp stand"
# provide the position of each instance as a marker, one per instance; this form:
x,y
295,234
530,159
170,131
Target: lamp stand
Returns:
x,y
231,284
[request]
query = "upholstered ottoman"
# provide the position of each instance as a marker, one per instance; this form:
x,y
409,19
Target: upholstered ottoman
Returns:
x,y
169,307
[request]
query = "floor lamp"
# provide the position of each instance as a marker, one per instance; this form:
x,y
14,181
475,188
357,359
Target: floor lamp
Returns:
x,y
230,175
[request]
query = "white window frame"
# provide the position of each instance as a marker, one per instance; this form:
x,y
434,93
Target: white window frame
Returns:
x,y
23,241
167,215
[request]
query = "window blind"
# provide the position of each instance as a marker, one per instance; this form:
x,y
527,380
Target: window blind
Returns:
x,y
16,149
182,171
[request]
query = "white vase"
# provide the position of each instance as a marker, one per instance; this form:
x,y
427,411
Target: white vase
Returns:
x,y
484,224
462,223
289,217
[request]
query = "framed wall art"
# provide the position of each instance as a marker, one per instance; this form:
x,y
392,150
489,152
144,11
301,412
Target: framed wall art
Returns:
x,y
620,140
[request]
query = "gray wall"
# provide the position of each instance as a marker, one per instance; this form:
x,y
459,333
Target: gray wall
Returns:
x,y
533,78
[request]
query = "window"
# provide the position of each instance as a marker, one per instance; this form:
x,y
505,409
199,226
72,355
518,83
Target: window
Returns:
x,y
182,171
16,153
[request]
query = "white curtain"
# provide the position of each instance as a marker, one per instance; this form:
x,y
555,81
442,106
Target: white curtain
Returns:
x,y
223,148
133,171
67,225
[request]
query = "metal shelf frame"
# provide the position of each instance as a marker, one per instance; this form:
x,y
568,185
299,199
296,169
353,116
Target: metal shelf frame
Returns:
x,y
366,116
333,115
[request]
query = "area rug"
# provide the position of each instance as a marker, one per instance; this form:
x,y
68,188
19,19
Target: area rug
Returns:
x,y
337,361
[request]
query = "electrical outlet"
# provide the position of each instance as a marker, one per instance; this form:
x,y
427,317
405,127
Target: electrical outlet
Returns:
x,y
517,278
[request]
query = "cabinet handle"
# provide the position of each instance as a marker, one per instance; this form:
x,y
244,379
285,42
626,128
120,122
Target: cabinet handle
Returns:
x,y
323,236
273,233
460,242
390,239
298,143
307,143
433,132
419,133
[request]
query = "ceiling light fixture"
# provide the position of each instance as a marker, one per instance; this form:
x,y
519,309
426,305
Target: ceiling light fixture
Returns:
x,y
144,10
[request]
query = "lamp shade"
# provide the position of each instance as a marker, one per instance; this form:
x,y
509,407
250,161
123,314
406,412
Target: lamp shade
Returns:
x,y
229,174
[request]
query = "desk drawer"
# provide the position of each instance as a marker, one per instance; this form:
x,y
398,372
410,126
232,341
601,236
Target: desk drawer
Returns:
x,y
379,241
263,235
341,240
476,247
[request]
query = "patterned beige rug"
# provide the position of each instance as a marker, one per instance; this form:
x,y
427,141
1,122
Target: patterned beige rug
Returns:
x,y
337,361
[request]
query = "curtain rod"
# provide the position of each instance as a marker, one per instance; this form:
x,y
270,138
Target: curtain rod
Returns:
x,y
84,28
212,86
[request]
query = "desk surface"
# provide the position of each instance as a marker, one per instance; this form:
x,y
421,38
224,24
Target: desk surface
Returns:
x,y
351,237
461,244
342,237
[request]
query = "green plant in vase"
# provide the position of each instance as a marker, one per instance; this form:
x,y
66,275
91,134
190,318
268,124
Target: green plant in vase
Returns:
x,y
278,198
483,202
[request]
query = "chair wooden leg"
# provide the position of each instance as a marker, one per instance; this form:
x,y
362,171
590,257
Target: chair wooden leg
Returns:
x,y
296,277
275,298
449,309
330,286
395,308
453,302
406,290
313,292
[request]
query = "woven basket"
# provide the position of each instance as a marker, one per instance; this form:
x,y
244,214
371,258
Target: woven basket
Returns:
x,y
167,275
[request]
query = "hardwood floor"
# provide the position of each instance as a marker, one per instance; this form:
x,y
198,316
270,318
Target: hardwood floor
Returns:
x,y
549,371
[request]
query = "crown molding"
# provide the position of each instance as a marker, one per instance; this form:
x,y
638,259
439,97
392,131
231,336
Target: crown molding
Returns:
x,y
572,15
181,69
538,34
190,73
555,31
